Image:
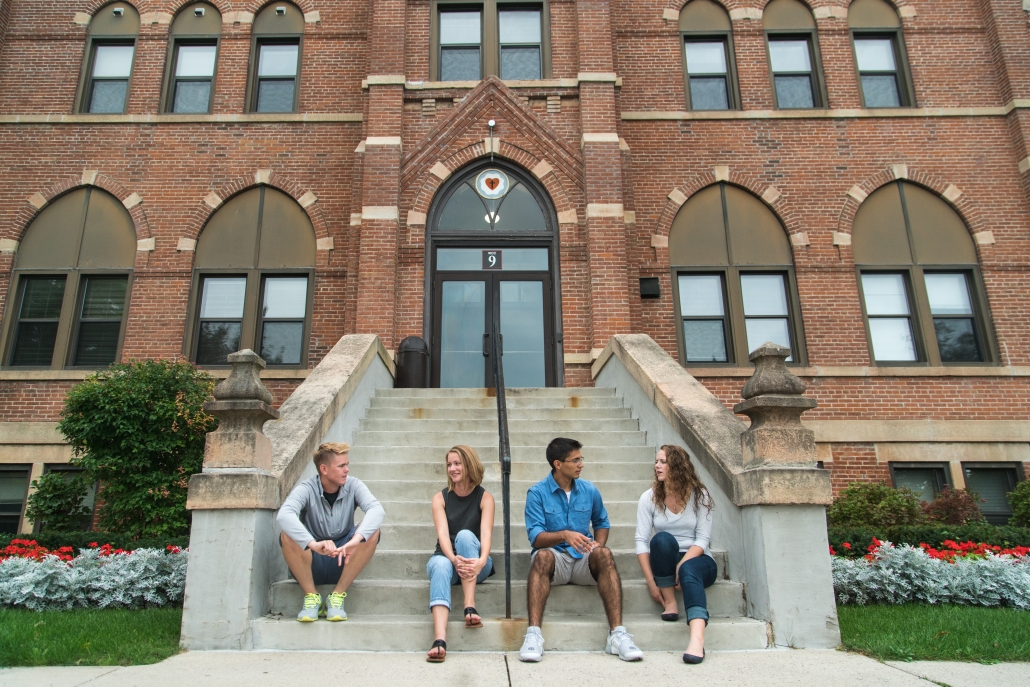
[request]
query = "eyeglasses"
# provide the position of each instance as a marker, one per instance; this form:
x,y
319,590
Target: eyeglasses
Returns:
x,y
574,461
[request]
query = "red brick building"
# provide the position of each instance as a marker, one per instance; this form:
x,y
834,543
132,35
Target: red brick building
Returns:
x,y
847,179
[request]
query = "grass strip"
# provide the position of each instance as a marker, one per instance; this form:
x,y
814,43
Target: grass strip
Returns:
x,y
923,632
88,637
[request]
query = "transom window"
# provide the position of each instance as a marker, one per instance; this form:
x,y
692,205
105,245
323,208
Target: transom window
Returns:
x,y
733,270
253,274
708,56
72,278
276,58
194,55
495,37
108,69
879,54
793,54
919,279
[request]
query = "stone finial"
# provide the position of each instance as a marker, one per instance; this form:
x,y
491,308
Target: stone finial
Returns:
x,y
773,400
242,405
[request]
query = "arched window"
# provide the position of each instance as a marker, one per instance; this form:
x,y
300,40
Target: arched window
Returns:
x,y
880,54
108,68
918,274
517,209
709,68
192,59
734,276
275,58
71,283
252,280
794,63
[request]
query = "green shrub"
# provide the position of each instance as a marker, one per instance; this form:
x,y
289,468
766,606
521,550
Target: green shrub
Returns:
x,y
865,504
954,507
1019,498
56,505
933,534
82,540
138,428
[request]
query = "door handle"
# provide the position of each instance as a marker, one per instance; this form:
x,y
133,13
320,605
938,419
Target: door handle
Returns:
x,y
486,345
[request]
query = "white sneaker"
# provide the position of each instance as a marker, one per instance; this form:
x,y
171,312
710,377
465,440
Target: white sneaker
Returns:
x,y
621,644
533,647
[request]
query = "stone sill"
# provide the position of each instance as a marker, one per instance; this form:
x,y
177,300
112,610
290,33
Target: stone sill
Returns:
x,y
287,118
907,371
79,375
529,83
848,113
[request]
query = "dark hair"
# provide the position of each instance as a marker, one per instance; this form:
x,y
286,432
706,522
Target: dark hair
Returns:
x,y
559,449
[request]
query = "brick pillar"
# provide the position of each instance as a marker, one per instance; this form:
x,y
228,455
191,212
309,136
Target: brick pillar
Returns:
x,y
602,163
380,188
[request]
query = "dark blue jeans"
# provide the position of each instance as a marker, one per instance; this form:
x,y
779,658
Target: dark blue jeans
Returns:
x,y
695,574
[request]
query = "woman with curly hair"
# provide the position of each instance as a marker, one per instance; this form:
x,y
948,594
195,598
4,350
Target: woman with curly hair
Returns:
x,y
678,508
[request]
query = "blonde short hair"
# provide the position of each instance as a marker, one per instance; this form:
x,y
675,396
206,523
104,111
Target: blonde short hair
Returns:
x,y
470,464
325,452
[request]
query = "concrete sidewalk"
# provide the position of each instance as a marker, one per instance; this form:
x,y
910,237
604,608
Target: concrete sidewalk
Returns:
x,y
773,668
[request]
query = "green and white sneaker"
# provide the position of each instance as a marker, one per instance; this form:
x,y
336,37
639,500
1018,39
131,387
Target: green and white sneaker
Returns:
x,y
312,605
334,607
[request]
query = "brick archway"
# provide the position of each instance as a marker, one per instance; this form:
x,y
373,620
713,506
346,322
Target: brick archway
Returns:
x,y
39,201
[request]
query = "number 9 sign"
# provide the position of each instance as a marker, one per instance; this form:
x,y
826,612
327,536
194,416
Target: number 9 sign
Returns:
x,y
491,260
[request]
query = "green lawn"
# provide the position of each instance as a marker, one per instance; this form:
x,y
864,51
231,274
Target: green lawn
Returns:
x,y
87,637
920,632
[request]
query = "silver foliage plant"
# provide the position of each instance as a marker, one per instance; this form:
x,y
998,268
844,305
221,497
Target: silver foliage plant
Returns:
x,y
143,578
906,574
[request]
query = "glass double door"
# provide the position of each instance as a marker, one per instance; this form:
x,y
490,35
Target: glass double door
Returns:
x,y
463,309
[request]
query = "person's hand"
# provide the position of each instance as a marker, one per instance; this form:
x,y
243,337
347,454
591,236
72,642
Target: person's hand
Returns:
x,y
469,568
326,548
656,594
344,553
580,542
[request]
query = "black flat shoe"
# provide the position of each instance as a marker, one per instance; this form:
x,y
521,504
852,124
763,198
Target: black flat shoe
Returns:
x,y
670,617
692,659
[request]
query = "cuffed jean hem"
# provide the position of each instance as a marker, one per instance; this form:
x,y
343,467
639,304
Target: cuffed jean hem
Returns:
x,y
695,612
665,581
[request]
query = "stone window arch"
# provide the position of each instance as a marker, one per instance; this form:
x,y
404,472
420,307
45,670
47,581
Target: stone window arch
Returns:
x,y
922,293
110,54
71,284
733,279
275,58
709,68
795,66
881,62
253,279
192,60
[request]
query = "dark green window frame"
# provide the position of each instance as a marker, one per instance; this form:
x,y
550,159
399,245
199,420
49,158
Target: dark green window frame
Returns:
x,y
816,79
732,87
903,76
90,81
1014,472
172,81
941,473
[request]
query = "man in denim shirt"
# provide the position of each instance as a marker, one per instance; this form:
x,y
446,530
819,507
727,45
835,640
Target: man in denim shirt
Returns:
x,y
559,512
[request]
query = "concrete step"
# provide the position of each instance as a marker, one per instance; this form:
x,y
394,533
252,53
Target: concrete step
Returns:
x,y
436,470
399,512
415,633
487,450
514,402
523,438
409,490
411,564
524,392
419,413
411,597
423,535
554,426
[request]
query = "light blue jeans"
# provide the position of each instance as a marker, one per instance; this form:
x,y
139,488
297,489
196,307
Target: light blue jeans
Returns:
x,y
442,575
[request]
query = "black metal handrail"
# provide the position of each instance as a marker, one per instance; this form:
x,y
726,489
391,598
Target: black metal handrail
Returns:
x,y
504,450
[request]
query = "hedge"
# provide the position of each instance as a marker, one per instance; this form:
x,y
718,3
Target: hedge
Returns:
x,y
82,540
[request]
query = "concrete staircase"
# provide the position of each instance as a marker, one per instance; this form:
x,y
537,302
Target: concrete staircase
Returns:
x,y
399,453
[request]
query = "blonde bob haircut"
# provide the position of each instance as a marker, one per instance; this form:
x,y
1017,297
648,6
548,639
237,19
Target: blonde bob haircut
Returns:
x,y
471,466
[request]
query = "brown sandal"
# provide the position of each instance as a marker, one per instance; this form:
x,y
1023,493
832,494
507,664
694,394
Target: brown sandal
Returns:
x,y
469,612
441,654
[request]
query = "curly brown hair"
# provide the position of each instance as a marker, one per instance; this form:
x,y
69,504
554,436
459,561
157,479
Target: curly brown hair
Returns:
x,y
682,480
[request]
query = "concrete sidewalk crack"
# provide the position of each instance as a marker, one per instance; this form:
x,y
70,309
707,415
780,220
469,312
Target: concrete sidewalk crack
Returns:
x,y
506,668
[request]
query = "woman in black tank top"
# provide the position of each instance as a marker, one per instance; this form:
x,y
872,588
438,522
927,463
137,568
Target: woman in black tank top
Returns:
x,y
463,514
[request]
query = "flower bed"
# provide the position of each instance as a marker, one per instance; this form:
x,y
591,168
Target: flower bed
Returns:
x,y
970,573
101,576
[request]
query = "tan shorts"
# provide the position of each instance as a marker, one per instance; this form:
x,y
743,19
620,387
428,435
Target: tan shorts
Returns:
x,y
569,570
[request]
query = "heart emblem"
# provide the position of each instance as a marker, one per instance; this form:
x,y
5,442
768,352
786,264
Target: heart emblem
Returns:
x,y
492,182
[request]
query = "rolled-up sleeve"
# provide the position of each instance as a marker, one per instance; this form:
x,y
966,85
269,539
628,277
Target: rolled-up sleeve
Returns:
x,y
373,510
703,531
534,514
598,514
288,517
645,523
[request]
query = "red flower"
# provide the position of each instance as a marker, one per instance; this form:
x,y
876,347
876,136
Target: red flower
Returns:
x,y
846,545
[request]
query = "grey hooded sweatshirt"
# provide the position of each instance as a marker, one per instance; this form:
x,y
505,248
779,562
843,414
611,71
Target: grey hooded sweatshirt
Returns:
x,y
306,515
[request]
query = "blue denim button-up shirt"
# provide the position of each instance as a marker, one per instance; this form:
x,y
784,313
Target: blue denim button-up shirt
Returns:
x,y
548,510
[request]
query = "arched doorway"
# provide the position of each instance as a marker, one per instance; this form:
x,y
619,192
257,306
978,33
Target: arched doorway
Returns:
x,y
492,247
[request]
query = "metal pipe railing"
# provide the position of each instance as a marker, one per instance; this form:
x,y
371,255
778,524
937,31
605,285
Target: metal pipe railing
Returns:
x,y
504,450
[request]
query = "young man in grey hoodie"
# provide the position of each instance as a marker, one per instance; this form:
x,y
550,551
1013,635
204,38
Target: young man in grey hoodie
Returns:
x,y
321,543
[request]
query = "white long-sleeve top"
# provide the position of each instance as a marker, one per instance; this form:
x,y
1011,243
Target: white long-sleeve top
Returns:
x,y
688,528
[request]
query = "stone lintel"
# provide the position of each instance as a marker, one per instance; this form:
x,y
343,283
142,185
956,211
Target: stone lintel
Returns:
x,y
82,18
312,17
830,12
659,241
325,244
600,77
146,244
740,13
605,210
491,145
721,173
385,80
372,212
900,171
601,137
841,239
89,176
568,217
416,218
186,245
984,238
383,141
233,489
799,239
262,176
8,246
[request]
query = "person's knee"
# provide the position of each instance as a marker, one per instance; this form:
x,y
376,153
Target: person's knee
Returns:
x,y
664,542
602,556
465,537
439,565
543,562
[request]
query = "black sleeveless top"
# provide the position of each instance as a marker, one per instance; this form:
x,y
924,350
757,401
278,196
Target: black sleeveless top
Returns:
x,y
463,513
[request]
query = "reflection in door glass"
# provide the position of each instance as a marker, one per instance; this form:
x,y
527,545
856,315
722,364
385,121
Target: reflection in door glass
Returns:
x,y
462,324
522,326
